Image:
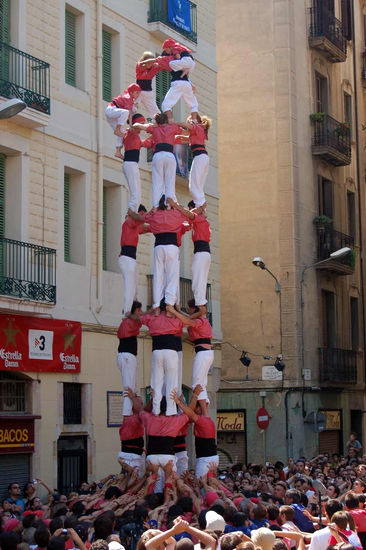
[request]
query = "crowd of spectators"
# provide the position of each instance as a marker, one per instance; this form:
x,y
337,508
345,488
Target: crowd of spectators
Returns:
x,y
273,506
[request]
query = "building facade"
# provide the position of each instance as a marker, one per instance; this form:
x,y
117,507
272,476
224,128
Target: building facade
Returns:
x,y
292,168
62,200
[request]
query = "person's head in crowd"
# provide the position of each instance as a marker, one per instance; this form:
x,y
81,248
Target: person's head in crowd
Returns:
x,y
184,544
358,486
14,490
351,501
84,488
273,512
215,522
258,512
112,493
279,490
152,501
103,526
332,506
361,501
218,508
56,543
55,523
42,536
240,519
230,541
99,544
292,496
279,545
186,503
333,491
29,521
304,499
202,519
59,510
300,484
300,466
264,538
9,540
70,522
78,508
174,512
29,489
286,514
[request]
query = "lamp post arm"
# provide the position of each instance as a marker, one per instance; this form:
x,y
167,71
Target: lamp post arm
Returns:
x,y
278,286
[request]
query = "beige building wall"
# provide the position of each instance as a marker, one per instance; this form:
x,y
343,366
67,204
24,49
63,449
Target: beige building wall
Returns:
x,y
39,148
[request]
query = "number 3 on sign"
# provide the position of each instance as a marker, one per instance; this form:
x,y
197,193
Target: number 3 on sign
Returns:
x,y
40,344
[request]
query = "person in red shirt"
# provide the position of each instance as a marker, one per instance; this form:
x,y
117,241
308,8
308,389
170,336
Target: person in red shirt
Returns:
x,y
204,432
127,361
132,144
131,434
119,111
131,229
358,514
198,134
200,333
147,67
164,164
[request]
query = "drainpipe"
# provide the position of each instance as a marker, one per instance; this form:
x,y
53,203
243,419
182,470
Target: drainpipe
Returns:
x,y
99,281
292,390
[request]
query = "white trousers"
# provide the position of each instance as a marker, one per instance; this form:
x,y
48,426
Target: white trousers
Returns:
x,y
201,262
197,178
180,89
115,117
201,365
164,370
135,461
166,274
182,462
202,464
128,365
163,169
180,372
132,175
147,100
129,269
161,460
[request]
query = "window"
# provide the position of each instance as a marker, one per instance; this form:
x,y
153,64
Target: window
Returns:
x,y
354,323
321,94
5,21
2,194
72,403
347,105
351,208
74,217
325,197
70,48
111,225
13,394
162,80
107,65
346,19
329,319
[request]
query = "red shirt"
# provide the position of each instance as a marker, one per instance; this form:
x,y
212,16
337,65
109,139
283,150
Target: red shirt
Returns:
x,y
359,517
163,426
200,229
128,328
132,140
165,221
161,63
183,229
197,134
161,324
130,232
202,329
131,428
165,133
205,427
124,101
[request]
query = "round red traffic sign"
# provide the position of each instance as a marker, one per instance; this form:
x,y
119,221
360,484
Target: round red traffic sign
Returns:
x,y
262,418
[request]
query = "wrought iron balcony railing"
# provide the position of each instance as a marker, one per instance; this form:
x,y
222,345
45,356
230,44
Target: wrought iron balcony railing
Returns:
x,y
330,240
159,12
27,271
25,77
326,32
185,289
363,70
332,140
338,365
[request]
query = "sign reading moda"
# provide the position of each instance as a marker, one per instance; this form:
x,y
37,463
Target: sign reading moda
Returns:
x,y
33,344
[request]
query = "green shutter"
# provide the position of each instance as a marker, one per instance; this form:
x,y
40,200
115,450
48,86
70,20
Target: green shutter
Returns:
x,y
5,21
2,194
162,80
70,48
67,217
104,228
107,65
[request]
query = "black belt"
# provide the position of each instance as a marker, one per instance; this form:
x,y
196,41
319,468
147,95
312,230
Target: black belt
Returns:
x,y
145,84
132,155
178,343
179,444
202,341
205,446
128,345
164,341
201,246
160,445
177,75
164,147
199,152
166,238
135,446
128,250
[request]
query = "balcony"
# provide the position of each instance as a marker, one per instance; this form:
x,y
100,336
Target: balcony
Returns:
x,y
27,271
28,78
329,241
331,140
337,366
160,17
326,33
185,289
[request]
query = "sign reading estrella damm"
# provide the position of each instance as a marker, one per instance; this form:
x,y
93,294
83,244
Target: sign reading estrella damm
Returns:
x,y
33,344
230,421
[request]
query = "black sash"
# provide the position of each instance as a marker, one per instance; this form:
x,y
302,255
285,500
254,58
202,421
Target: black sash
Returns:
x,y
166,238
164,341
163,147
144,84
160,445
135,446
132,155
201,246
128,345
205,446
128,250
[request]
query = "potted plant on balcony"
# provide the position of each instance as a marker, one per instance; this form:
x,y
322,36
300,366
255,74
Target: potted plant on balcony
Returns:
x,y
352,258
317,117
342,129
322,222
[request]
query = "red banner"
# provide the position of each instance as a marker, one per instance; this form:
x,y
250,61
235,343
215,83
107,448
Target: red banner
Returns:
x,y
16,436
33,344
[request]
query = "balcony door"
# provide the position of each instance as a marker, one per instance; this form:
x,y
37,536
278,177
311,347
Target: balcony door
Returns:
x,y
321,93
329,329
325,191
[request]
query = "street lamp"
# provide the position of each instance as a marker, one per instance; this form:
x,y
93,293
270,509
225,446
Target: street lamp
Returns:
x,y
258,262
11,107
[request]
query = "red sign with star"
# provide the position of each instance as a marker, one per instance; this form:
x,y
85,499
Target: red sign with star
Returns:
x,y
34,344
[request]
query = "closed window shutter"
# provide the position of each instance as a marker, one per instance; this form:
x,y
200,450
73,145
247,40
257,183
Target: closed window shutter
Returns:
x,y
107,65
346,19
163,79
2,195
5,21
70,48
67,217
104,228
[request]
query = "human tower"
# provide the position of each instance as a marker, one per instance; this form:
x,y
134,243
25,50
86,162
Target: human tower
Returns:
x,y
167,418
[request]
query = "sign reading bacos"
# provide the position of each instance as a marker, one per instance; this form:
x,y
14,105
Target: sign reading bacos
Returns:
x,y
230,421
16,435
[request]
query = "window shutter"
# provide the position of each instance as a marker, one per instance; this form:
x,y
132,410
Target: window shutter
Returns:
x,y
163,79
107,65
67,217
346,19
70,48
2,195
104,228
5,21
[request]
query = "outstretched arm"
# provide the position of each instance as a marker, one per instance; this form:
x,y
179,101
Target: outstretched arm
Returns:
x,y
135,216
187,213
181,316
136,402
187,410
139,126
